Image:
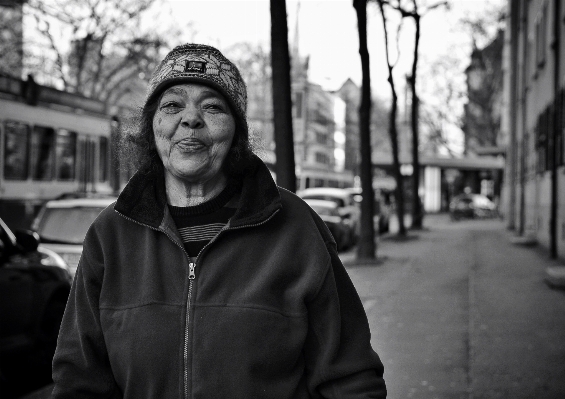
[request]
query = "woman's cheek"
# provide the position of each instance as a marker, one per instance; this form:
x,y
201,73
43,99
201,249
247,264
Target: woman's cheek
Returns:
x,y
162,143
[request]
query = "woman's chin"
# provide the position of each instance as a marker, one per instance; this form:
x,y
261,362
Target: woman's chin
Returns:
x,y
194,172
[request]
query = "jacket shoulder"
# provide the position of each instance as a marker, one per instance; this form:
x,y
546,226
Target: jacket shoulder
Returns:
x,y
106,216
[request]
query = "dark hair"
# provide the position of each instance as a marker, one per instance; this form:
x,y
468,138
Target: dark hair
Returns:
x,y
137,149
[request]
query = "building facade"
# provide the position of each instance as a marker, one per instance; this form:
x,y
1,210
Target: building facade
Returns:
x,y
319,128
534,91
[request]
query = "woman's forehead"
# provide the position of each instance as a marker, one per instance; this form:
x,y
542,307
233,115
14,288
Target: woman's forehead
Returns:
x,y
186,89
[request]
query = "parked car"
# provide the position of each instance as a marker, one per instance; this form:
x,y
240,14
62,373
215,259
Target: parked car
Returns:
x,y
340,227
381,208
347,207
62,225
470,206
34,287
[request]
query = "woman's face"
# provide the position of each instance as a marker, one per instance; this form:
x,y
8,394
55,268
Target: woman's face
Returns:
x,y
194,129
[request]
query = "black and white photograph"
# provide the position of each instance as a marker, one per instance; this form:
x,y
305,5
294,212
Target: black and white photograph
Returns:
x,y
282,199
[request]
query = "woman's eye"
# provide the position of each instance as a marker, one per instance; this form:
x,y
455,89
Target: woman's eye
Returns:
x,y
170,107
214,107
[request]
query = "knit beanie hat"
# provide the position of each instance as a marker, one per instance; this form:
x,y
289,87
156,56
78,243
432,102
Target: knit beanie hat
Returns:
x,y
203,64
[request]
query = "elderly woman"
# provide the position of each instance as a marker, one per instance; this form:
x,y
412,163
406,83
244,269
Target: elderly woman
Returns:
x,y
204,279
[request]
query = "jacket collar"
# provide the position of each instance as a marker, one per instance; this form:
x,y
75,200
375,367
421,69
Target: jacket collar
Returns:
x,y
144,199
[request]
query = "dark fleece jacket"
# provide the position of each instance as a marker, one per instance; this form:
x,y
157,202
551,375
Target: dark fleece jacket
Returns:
x,y
270,313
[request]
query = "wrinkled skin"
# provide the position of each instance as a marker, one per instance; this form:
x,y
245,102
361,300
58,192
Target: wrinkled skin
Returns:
x,y
194,128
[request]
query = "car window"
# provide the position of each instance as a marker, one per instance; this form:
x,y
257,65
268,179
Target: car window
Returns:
x,y
66,225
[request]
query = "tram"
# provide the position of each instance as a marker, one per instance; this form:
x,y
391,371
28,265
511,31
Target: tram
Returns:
x,y
307,178
51,143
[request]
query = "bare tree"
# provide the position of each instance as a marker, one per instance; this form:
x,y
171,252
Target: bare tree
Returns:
x,y
282,102
417,211
254,62
442,115
366,246
11,45
95,47
414,12
393,130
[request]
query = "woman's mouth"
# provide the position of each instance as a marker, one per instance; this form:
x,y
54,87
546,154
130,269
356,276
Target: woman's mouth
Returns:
x,y
190,145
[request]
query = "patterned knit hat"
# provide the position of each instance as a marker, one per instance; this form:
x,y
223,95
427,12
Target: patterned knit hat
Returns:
x,y
201,64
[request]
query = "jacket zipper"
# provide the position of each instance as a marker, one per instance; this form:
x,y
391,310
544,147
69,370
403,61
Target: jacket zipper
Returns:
x,y
192,276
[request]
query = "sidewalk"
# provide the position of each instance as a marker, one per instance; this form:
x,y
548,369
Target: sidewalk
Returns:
x,y
458,311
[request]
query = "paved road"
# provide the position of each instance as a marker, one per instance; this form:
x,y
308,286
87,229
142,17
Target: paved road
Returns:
x,y
457,311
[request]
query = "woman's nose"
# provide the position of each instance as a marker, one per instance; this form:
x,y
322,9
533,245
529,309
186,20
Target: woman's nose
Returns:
x,y
191,118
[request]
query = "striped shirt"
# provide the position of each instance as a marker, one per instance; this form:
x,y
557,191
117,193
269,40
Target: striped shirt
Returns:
x,y
199,224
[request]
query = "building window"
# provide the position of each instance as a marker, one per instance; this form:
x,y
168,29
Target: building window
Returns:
x,y
541,37
298,98
559,142
322,158
544,140
321,138
16,147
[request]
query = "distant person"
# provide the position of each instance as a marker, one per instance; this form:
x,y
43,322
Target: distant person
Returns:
x,y
205,279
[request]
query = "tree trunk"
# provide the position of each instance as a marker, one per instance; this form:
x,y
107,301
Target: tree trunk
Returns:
x,y
417,214
282,102
393,132
366,247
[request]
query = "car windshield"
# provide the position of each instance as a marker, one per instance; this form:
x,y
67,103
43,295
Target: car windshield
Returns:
x,y
322,210
66,225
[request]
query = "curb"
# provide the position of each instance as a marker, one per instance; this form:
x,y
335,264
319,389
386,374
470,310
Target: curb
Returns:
x,y
524,240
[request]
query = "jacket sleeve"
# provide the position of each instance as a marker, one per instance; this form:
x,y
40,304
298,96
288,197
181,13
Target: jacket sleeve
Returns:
x,y
340,360
81,368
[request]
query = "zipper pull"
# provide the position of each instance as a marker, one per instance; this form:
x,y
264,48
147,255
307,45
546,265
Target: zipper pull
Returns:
x,y
191,274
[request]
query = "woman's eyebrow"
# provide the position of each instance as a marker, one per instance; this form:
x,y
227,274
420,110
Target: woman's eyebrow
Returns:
x,y
211,93
175,90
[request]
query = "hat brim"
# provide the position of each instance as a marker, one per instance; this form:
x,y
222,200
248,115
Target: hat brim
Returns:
x,y
161,87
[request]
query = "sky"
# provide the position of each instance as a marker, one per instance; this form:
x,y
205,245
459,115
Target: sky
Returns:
x,y
327,32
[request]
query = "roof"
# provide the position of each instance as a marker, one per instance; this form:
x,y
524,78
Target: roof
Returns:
x,y
466,163
335,192
81,202
320,203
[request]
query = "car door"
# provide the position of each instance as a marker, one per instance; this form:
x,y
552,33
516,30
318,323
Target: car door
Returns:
x,y
16,295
